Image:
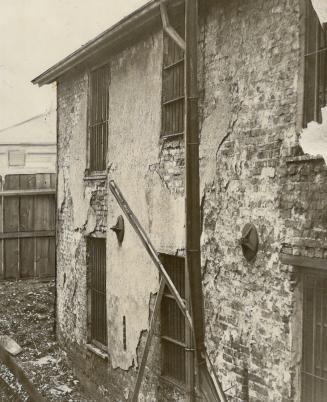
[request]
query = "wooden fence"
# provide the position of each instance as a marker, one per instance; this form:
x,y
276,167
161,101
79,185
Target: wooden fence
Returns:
x,y
27,226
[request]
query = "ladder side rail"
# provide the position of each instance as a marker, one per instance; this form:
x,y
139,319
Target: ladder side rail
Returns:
x,y
154,317
150,249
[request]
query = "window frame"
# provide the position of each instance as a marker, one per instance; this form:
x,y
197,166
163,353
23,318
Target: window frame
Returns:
x,y
165,339
168,101
89,172
314,100
318,275
90,319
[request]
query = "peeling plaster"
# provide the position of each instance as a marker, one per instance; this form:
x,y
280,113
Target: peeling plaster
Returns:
x,y
133,154
313,139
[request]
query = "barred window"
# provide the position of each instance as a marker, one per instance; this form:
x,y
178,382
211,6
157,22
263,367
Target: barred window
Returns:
x,y
97,291
315,80
314,359
98,118
173,322
173,87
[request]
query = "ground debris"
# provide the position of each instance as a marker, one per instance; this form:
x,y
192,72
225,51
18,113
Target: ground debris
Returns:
x,y
27,316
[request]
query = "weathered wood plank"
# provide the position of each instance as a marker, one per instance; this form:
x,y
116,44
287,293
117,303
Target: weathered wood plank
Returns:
x,y
28,223
11,214
43,215
11,193
11,182
42,256
27,181
53,180
27,258
43,181
11,363
1,261
20,235
52,257
11,259
26,214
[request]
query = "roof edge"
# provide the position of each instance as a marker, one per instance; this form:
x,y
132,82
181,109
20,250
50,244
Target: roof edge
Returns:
x,y
121,29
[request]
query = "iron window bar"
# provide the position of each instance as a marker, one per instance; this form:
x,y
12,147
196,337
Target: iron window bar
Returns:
x,y
98,118
97,271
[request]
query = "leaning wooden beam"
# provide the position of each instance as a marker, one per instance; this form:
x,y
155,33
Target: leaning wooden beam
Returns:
x,y
168,28
19,374
149,248
20,235
154,317
12,193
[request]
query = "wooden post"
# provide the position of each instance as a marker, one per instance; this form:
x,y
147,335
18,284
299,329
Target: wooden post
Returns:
x,y
192,198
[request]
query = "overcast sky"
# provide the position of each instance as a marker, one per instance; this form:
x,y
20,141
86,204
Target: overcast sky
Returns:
x,y
35,34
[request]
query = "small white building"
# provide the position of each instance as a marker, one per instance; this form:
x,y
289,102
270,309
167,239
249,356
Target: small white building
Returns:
x,y
29,147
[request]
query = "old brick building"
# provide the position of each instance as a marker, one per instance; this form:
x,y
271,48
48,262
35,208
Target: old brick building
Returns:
x,y
120,116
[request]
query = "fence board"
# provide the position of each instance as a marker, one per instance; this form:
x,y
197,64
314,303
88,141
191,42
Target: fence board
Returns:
x,y
52,256
27,258
11,182
11,214
43,213
28,226
27,182
43,181
11,258
2,273
42,256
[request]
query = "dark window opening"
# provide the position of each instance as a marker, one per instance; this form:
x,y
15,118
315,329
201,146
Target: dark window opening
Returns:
x,y
173,322
97,291
315,79
314,359
98,118
173,86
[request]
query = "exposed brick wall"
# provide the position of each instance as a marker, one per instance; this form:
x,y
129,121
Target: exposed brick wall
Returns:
x,y
303,203
250,53
251,171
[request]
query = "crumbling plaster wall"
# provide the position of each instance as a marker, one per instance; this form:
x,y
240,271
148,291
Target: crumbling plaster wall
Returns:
x,y
133,154
148,172
249,75
249,87
81,208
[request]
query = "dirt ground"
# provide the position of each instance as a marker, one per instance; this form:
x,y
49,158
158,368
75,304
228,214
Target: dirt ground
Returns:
x,y
27,315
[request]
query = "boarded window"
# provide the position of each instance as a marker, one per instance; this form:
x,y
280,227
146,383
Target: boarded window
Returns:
x,y
173,87
173,322
98,118
16,158
315,89
314,364
97,291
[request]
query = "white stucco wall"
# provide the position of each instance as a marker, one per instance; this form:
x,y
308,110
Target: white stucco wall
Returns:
x,y
133,148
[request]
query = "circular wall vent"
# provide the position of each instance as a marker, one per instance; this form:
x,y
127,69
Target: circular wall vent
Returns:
x,y
249,242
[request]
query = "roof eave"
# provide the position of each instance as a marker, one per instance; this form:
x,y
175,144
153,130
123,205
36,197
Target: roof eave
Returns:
x,y
118,32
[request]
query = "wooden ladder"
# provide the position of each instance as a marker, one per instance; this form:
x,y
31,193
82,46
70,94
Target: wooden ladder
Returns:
x,y
210,387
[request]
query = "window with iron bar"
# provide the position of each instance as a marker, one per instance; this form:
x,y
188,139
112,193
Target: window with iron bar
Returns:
x,y
173,86
314,344
315,79
173,322
98,118
97,291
